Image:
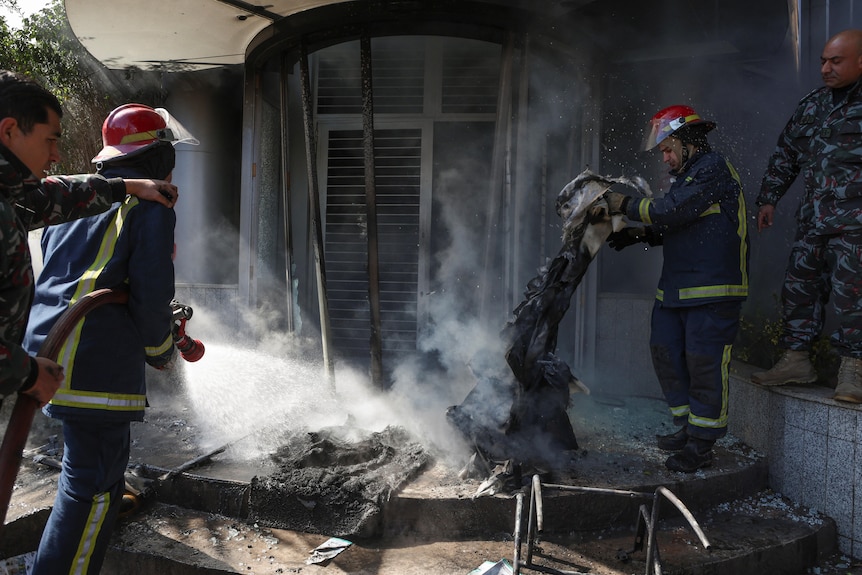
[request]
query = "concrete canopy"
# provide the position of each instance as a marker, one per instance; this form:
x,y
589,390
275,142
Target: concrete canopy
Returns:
x,y
170,34
195,34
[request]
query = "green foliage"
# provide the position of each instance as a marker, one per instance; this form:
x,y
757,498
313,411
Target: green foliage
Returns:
x,y
46,49
825,360
757,341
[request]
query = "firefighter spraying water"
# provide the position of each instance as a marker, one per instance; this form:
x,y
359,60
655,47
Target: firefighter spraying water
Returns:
x,y
130,247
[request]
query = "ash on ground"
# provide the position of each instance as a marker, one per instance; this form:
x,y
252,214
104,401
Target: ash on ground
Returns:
x,y
335,481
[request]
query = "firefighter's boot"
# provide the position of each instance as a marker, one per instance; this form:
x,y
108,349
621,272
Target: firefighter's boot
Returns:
x,y
793,367
696,454
673,441
849,386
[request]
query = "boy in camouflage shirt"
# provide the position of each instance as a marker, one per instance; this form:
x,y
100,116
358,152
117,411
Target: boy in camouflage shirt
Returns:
x,y
29,132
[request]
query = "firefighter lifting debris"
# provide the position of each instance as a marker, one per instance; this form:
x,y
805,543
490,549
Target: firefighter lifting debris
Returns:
x,y
694,322
700,222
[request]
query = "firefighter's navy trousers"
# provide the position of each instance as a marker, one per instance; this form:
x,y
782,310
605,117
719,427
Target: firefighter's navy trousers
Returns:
x,y
691,354
89,493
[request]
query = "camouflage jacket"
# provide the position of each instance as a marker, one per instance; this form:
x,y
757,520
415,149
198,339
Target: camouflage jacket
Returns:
x,y
26,204
823,142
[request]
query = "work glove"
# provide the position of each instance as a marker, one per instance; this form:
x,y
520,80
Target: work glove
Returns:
x,y
627,237
617,202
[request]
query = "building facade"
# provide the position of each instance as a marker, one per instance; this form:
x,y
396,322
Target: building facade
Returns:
x,y
379,177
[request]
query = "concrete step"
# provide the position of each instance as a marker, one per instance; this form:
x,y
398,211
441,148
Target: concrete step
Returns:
x,y
208,521
756,535
753,536
437,502
433,525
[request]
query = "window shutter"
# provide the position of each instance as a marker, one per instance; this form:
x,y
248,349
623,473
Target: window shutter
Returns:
x,y
397,169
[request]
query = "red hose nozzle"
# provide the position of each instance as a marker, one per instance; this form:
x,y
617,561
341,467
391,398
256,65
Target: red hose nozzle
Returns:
x,y
190,349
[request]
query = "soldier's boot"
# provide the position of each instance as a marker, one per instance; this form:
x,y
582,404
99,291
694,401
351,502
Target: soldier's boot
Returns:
x,y
849,386
696,454
793,367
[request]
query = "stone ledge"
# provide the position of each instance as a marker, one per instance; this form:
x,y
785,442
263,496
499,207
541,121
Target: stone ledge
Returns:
x,y
812,445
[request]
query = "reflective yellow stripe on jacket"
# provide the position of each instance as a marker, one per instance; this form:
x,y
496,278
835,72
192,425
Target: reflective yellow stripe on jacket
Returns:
x,y
100,400
705,292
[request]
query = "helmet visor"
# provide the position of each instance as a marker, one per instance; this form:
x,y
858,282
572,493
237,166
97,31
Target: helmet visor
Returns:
x,y
660,128
175,132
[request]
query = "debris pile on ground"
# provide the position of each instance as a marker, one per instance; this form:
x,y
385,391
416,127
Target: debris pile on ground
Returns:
x,y
335,481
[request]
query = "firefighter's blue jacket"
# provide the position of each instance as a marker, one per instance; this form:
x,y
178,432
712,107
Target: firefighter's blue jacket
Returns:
x,y
128,247
702,220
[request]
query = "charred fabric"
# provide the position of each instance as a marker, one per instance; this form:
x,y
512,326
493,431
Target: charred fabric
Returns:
x,y
517,418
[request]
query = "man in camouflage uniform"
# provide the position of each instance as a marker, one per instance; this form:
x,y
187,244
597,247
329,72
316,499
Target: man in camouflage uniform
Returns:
x,y
823,142
29,132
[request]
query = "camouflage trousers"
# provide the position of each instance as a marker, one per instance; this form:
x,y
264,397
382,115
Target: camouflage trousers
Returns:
x,y
823,267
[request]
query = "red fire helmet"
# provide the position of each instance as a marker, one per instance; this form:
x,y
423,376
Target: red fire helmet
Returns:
x,y
133,128
668,121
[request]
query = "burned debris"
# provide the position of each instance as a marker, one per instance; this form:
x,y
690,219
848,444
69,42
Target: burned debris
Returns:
x,y
336,480
519,417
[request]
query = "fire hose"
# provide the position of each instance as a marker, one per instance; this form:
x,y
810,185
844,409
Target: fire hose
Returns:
x,y
18,428
21,418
